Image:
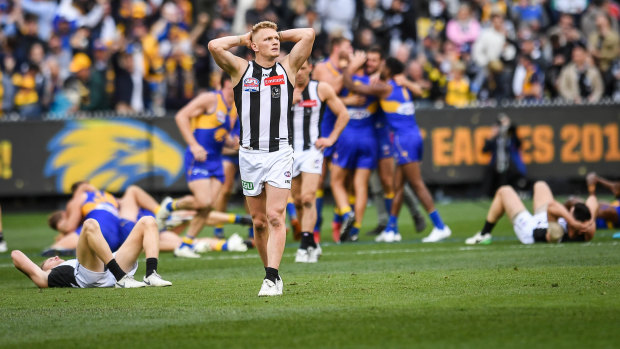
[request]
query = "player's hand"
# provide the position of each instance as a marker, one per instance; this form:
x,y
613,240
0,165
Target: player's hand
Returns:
x,y
354,100
199,153
245,40
357,60
400,79
591,182
323,142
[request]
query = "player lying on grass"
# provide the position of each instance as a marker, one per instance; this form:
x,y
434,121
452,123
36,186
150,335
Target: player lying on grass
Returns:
x,y
608,214
551,221
96,265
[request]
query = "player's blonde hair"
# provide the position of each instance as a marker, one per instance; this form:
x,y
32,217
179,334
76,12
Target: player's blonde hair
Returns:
x,y
263,25
556,232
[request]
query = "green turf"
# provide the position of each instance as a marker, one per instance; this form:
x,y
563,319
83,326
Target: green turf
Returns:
x,y
366,294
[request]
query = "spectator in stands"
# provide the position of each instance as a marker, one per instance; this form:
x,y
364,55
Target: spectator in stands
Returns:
x,y
262,11
415,72
579,81
464,29
567,36
457,88
89,86
506,166
131,91
27,101
488,47
401,25
372,17
337,16
589,20
527,82
45,11
8,89
528,12
604,45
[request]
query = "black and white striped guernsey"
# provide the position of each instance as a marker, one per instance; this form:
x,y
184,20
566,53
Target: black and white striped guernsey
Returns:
x,y
307,117
263,98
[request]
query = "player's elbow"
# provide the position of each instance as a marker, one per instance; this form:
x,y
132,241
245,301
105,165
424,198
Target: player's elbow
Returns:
x,y
309,34
213,47
15,255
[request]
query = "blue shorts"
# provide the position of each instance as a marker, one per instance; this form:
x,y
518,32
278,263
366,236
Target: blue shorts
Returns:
x,y
115,230
329,151
386,150
233,159
601,223
408,146
142,212
356,150
212,168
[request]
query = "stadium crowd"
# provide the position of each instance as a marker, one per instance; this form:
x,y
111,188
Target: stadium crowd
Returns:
x,y
59,57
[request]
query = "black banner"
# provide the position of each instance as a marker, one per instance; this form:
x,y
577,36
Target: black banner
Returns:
x,y
45,158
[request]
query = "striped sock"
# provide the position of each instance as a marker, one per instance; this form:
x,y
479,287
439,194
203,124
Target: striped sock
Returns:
x,y
187,241
319,210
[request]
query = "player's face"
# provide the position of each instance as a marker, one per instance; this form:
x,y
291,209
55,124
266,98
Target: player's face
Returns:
x,y
266,42
373,63
51,263
303,74
344,49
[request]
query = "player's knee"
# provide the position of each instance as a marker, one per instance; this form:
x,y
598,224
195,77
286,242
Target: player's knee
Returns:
x,y
503,189
90,226
540,185
204,204
275,217
260,224
308,199
148,222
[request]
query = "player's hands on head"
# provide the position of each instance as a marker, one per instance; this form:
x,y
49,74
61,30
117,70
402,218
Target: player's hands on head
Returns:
x,y
199,153
400,79
246,40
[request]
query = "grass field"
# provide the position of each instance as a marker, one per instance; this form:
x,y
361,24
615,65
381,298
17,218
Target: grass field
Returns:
x,y
359,295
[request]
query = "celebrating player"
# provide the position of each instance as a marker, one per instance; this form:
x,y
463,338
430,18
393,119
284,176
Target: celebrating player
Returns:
x,y
310,98
263,95
96,265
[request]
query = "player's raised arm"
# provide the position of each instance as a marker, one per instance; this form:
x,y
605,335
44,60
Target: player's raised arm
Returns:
x,y
194,108
327,93
379,88
304,38
225,59
31,270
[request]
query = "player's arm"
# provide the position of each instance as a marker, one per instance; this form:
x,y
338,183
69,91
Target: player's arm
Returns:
x,y
193,109
592,204
225,59
556,210
379,89
328,95
31,270
412,86
614,187
303,39
73,210
321,73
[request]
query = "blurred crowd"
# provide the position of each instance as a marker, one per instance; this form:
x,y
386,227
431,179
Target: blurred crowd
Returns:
x,y
60,57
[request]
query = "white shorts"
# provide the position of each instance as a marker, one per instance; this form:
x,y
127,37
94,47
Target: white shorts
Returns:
x,y
308,161
258,168
524,225
88,278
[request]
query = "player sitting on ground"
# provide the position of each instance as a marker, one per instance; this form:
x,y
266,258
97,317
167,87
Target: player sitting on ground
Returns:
x,y
96,265
551,221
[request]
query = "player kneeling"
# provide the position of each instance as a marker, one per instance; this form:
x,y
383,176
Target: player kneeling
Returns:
x,y
96,265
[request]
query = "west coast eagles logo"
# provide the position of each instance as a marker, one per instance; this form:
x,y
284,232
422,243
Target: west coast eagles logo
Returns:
x,y
112,154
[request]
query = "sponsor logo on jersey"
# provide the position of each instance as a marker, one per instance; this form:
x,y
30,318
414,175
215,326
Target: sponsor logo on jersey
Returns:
x,y
308,103
251,84
274,80
247,185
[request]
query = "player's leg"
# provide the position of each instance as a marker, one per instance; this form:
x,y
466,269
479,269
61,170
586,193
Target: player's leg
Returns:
x,y
275,202
411,201
386,174
134,199
93,251
144,235
341,197
542,196
377,196
360,183
257,208
391,230
308,251
413,174
221,203
613,186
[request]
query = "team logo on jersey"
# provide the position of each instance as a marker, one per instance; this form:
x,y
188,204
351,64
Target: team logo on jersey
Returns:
x,y
287,174
275,92
247,185
308,103
274,80
112,154
251,85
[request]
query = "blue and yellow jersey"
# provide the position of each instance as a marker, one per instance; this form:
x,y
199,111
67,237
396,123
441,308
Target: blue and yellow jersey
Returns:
x,y
210,130
398,108
362,116
99,200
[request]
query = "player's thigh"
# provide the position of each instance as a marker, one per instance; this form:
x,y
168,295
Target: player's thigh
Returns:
x,y
85,254
542,195
310,183
128,253
201,189
511,201
257,206
275,200
230,171
296,188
